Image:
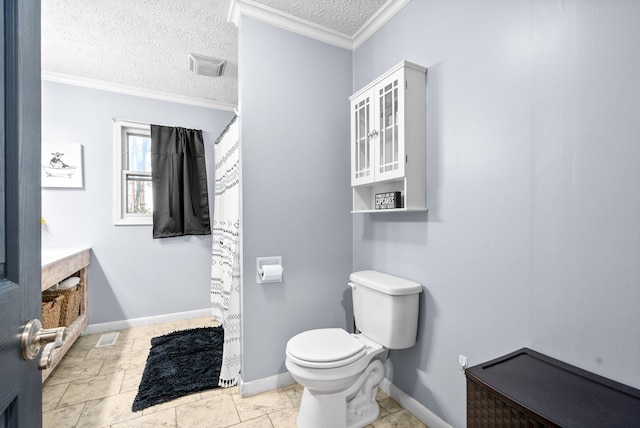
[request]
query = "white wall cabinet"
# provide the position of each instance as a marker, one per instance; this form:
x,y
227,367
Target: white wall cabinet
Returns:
x,y
388,139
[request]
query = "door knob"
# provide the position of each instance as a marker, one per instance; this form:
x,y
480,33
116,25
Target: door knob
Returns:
x,y
34,337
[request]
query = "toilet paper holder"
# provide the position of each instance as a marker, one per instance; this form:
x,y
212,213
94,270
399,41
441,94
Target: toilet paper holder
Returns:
x,y
271,261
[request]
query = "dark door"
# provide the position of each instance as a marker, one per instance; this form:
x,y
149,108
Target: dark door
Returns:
x,y
20,380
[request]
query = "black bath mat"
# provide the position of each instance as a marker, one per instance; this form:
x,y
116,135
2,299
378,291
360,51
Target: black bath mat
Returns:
x,y
179,364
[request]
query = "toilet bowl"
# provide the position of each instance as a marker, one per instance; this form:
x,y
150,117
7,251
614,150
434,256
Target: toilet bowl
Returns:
x,y
335,367
340,372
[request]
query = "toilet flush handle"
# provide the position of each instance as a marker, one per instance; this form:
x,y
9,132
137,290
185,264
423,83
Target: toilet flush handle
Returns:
x,y
352,285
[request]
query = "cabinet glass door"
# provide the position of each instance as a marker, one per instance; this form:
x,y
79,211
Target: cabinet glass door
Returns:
x,y
390,151
361,145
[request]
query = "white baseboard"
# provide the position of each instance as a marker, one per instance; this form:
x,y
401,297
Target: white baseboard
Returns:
x,y
407,402
141,322
412,405
265,384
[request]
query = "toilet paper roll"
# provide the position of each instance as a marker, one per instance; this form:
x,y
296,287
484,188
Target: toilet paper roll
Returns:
x,y
271,273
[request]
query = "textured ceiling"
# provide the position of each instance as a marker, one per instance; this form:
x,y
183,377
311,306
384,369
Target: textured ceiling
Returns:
x,y
144,44
343,16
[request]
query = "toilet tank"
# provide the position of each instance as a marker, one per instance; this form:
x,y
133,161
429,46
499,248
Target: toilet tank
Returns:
x,y
385,308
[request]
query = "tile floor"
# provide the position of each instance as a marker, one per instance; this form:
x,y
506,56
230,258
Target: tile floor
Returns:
x,y
95,387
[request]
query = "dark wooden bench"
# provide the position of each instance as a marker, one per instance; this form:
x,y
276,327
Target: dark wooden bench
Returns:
x,y
529,389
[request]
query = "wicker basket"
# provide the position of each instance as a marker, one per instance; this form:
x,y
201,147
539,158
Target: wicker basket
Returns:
x,y
51,308
70,304
485,410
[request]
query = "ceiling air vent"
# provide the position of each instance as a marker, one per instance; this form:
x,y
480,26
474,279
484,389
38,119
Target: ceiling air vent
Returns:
x,y
206,65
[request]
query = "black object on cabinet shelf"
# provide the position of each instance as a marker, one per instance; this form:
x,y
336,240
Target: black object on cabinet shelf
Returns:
x,y
528,389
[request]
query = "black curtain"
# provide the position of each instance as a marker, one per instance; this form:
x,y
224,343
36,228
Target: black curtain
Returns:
x,y
179,179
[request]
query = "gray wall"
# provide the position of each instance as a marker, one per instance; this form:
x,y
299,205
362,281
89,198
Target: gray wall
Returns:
x,y
532,235
294,124
131,275
586,175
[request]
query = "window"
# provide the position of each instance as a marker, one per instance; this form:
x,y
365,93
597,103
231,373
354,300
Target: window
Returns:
x,y
133,193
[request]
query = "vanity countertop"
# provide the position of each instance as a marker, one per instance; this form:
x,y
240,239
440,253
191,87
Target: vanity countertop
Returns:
x,y
60,263
54,255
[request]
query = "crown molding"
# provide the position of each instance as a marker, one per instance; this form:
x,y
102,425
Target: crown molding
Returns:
x,y
129,90
288,22
301,26
377,21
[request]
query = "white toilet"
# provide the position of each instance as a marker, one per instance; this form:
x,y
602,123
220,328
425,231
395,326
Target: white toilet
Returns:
x,y
340,371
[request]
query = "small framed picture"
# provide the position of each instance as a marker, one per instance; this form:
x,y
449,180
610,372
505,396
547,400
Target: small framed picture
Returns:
x,y
61,165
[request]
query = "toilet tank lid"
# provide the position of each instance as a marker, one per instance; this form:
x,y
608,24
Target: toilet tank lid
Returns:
x,y
385,283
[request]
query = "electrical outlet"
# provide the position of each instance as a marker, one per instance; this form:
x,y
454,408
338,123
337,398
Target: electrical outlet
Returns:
x,y
463,361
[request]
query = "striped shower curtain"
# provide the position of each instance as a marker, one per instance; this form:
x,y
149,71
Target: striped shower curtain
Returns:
x,y
225,260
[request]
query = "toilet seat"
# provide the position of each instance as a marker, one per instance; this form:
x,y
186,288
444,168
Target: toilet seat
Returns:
x,y
325,348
